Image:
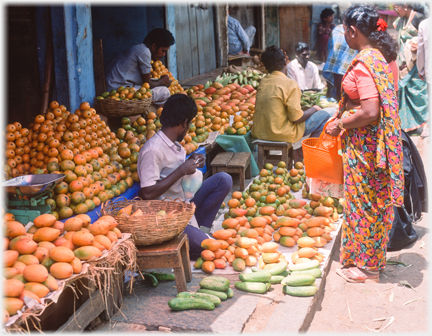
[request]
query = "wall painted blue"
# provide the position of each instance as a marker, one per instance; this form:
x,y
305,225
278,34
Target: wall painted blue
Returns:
x,y
172,53
121,27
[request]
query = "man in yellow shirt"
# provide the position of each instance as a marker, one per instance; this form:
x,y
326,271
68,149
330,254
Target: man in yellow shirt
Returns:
x,y
278,115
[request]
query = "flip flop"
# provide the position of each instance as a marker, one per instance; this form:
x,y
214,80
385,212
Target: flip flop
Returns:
x,y
356,275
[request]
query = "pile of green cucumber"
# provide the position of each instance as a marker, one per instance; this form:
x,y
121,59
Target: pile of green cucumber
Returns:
x,y
301,279
311,98
260,281
212,291
154,277
244,77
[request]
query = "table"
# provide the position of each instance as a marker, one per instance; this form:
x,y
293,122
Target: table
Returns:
x,y
239,143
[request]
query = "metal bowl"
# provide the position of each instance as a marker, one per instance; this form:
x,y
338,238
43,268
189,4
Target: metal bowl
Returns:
x,y
32,184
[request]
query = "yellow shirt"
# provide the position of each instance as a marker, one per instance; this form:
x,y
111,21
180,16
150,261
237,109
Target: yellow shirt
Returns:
x,y
277,106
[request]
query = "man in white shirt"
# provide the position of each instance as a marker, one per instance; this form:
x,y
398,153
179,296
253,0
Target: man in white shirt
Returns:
x,y
133,67
305,73
162,165
423,59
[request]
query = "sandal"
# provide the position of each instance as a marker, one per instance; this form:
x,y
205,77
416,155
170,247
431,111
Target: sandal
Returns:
x,y
356,275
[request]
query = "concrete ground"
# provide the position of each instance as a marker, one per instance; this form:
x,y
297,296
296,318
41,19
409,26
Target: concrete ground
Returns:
x,y
398,304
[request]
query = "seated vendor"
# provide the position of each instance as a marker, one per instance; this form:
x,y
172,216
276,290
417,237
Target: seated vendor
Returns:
x,y
133,66
278,114
162,165
304,72
239,39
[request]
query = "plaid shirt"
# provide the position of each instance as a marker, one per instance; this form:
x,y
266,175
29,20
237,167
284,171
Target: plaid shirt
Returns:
x,y
340,55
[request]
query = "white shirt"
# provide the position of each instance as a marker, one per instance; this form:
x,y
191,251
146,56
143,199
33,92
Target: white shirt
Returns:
x,y
423,60
126,69
306,78
157,159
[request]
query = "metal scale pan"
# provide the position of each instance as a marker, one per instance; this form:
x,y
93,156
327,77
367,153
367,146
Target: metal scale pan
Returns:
x,y
32,185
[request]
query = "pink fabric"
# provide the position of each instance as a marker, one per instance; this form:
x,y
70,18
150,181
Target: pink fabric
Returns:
x,y
359,83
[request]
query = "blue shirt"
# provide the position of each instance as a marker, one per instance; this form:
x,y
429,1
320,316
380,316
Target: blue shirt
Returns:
x,y
237,38
126,69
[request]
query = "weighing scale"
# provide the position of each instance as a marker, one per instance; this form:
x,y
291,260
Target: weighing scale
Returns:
x,y
27,195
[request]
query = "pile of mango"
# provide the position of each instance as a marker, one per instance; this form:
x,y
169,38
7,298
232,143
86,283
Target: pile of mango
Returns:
x,y
49,250
158,70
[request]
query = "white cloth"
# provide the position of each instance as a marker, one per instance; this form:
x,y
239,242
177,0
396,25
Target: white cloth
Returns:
x,y
157,159
126,69
306,78
423,56
160,95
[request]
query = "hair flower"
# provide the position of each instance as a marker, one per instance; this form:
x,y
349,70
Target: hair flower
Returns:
x,y
382,25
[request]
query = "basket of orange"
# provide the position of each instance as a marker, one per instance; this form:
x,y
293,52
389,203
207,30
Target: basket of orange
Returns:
x,y
150,222
124,102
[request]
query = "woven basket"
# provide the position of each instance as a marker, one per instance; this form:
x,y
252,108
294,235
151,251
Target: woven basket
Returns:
x,y
151,229
124,108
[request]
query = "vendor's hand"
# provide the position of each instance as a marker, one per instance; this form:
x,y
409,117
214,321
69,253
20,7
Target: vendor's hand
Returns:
x,y
188,167
199,159
414,47
164,80
333,128
423,78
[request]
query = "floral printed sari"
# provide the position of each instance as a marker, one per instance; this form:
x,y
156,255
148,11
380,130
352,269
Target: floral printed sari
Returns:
x,y
373,172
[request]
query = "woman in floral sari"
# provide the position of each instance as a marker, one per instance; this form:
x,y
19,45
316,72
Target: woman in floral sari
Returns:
x,y
371,146
413,98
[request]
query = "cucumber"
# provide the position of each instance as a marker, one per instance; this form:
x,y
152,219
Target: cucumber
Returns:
x,y
316,272
262,276
215,283
276,279
299,280
252,287
151,278
305,265
300,290
221,295
229,293
212,298
278,268
190,303
163,276
284,273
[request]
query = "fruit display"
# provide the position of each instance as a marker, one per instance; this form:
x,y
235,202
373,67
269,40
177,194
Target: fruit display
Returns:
x,y
48,251
128,93
158,70
96,163
240,76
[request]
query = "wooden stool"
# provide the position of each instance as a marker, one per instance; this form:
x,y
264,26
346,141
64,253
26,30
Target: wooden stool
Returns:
x,y
264,155
173,253
233,163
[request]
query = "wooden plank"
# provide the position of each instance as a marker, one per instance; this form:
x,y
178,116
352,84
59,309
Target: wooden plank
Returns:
x,y
85,314
184,61
193,41
240,159
98,65
201,45
222,159
208,42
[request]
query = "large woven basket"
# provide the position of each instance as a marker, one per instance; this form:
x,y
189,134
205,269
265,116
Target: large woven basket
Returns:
x,y
124,108
150,228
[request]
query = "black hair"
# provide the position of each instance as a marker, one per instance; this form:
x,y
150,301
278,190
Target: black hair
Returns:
x,y
159,36
178,109
326,13
365,19
273,58
300,47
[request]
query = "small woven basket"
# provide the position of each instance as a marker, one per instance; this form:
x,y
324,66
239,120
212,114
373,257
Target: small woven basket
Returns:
x,y
125,108
150,228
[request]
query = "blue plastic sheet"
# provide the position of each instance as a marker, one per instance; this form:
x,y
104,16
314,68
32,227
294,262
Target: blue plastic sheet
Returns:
x,y
200,150
129,194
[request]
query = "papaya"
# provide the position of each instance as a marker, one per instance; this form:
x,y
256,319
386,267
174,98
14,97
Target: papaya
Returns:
x,y
87,252
222,234
208,266
238,264
249,233
126,210
288,221
111,220
241,253
293,213
323,211
37,288
111,235
306,252
104,241
296,203
250,260
100,227
287,241
198,263
269,247
219,263
245,242
306,242
237,212
315,232
270,257
316,222
210,244
44,220
61,270
46,234
287,231
207,255
276,236
61,254
267,210
230,223
319,241
258,222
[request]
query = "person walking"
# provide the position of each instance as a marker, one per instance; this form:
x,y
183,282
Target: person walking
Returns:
x,y
370,129
324,29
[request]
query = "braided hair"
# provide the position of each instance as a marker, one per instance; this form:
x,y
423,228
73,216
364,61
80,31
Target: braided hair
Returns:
x,y
365,19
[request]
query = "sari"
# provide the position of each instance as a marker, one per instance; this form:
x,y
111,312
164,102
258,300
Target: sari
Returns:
x,y
373,172
413,95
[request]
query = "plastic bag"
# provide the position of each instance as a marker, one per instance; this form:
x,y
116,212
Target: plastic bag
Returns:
x,y
191,184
